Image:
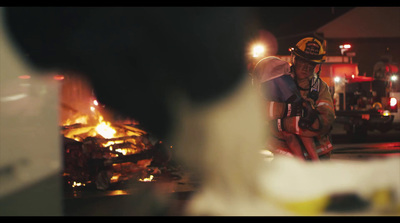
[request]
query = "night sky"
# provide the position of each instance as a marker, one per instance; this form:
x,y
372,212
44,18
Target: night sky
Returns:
x,y
290,24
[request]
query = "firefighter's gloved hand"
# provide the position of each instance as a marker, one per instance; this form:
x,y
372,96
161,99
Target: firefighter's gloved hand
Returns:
x,y
309,116
293,109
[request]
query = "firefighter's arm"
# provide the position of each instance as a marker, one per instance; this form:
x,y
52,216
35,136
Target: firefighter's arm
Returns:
x,y
277,110
322,121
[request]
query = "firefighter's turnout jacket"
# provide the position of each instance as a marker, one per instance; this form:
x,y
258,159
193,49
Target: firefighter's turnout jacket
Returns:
x,y
323,104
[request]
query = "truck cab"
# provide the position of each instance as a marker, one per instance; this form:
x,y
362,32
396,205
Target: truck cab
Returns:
x,y
362,103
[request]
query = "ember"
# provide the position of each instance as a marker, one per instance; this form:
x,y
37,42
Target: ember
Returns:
x,y
147,179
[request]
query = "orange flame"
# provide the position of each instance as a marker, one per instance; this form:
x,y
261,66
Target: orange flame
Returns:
x,y
105,129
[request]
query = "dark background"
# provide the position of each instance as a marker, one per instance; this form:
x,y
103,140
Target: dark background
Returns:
x,y
290,24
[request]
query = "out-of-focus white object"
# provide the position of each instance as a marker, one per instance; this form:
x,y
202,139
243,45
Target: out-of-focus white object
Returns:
x,y
271,67
221,141
292,181
30,149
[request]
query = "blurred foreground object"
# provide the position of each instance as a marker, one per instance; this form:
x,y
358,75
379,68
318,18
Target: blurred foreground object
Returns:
x,y
236,181
30,152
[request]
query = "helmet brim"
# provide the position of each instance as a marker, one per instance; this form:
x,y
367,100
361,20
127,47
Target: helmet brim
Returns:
x,y
307,57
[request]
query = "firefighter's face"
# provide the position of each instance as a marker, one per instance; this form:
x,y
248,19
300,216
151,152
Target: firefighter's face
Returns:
x,y
303,68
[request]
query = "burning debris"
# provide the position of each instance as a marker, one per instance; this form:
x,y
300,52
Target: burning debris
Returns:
x,y
100,152
107,153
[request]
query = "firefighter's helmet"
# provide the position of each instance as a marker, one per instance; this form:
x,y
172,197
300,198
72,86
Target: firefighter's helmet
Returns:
x,y
311,49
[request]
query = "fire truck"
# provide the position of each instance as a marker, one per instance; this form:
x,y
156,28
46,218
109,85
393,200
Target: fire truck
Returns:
x,y
362,103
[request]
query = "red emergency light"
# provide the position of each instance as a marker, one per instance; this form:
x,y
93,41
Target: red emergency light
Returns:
x,y
346,46
393,104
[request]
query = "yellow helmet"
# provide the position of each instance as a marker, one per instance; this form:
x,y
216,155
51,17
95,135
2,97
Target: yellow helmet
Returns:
x,y
310,49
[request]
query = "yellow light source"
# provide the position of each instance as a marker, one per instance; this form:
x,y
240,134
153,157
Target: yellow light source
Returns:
x,y
386,113
258,50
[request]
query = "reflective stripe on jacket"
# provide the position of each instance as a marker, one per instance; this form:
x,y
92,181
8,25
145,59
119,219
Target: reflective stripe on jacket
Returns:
x,y
324,105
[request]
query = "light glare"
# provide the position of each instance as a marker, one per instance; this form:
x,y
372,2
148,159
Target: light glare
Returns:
x,y
258,50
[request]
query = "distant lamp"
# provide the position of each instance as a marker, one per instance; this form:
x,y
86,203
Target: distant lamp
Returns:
x,y
258,50
393,78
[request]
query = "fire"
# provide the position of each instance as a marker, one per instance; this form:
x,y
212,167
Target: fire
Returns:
x,y
103,139
105,129
77,184
118,149
147,179
122,141
90,125
82,119
123,151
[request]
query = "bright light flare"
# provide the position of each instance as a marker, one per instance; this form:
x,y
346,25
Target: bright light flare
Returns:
x,y
393,102
393,78
345,46
258,50
336,79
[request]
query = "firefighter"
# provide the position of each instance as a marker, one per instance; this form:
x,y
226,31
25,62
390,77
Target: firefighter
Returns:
x,y
275,82
318,112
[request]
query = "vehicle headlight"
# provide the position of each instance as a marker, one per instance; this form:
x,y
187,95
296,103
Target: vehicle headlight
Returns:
x,y
386,113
